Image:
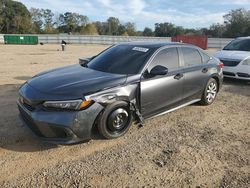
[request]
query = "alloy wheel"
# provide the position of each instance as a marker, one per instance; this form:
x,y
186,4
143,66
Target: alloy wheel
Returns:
x,y
211,92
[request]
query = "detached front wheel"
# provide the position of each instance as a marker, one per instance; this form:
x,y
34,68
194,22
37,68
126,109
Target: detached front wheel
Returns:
x,y
115,120
210,92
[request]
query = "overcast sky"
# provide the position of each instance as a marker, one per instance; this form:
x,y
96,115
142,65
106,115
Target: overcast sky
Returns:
x,y
186,13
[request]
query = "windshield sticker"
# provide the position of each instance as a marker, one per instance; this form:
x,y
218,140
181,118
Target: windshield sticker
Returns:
x,y
140,49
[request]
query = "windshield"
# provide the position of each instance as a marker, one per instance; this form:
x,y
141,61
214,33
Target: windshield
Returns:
x,y
121,59
239,45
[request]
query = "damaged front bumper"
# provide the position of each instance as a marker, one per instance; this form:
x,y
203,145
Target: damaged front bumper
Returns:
x,y
60,127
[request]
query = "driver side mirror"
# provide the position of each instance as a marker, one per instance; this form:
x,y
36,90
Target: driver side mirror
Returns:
x,y
159,70
84,61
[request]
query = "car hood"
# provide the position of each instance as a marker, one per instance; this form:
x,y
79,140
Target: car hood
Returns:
x,y
234,55
74,81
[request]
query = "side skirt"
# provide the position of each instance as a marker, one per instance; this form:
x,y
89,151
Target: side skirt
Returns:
x,y
176,108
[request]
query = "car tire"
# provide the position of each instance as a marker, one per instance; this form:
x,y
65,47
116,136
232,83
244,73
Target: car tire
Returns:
x,y
115,121
210,92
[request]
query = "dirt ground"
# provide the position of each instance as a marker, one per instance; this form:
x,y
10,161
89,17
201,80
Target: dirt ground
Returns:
x,y
195,146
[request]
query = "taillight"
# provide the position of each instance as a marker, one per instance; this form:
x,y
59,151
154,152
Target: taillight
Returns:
x,y
221,65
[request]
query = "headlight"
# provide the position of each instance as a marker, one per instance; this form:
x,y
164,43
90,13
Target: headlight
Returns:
x,y
246,62
69,105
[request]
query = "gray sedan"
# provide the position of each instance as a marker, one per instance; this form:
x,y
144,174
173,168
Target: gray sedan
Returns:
x,y
125,83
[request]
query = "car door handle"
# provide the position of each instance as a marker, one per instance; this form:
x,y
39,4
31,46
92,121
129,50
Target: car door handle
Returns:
x,y
178,76
205,70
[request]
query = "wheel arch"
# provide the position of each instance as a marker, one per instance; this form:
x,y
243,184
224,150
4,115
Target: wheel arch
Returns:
x,y
103,118
216,77
129,93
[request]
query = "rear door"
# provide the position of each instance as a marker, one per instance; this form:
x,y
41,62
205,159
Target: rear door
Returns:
x,y
196,73
160,93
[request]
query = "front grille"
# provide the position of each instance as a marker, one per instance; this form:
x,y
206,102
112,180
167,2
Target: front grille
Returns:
x,y
230,63
43,130
228,73
244,75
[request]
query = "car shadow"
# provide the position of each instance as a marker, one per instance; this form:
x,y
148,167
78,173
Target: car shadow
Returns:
x,y
232,81
236,86
14,135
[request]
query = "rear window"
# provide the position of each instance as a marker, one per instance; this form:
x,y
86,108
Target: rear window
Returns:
x,y
191,56
122,59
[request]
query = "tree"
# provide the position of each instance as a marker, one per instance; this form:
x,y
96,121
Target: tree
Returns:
x,y
216,30
57,22
122,30
148,32
15,17
37,22
82,20
179,31
139,33
130,28
48,15
69,21
102,27
124,34
165,29
72,22
1,23
90,29
237,23
113,25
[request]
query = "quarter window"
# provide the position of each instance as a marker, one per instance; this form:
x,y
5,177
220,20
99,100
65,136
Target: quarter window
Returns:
x,y
167,57
205,57
191,56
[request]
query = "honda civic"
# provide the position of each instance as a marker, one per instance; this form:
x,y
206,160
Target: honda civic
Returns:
x,y
125,83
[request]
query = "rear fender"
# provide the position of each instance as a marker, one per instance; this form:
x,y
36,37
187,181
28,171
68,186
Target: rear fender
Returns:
x,y
218,78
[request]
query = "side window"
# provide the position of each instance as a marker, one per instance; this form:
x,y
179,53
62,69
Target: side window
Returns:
x,y
205,57
167,57
191,56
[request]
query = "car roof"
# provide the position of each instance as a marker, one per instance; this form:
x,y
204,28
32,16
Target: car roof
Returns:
x,y
155,44
243,37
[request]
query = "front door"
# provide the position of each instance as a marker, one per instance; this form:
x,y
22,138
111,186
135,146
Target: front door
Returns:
x,y
163,92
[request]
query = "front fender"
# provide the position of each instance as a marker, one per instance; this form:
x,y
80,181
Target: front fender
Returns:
x,y
129,93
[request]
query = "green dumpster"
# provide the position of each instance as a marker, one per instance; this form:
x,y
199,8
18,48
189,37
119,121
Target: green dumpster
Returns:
x,y
20,39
